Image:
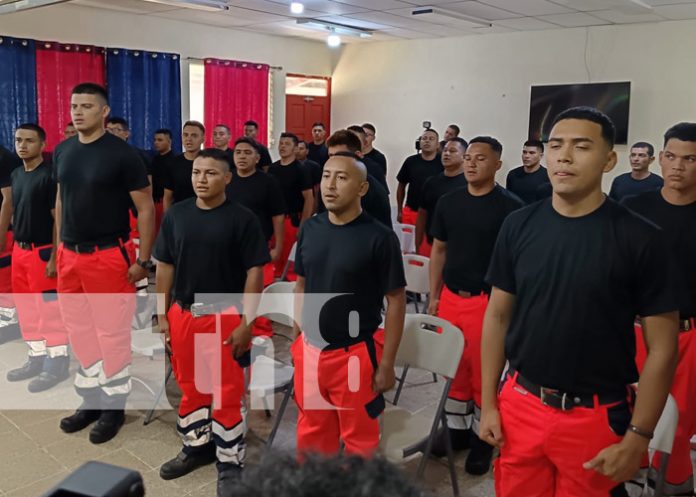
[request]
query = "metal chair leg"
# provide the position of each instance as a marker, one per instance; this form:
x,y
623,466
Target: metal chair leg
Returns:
x,y
151,412
434,378
661,473
401,382
450,457
279,414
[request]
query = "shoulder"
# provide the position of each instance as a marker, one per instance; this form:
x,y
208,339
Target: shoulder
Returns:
x,y
644,199
515,171
632,221
509,197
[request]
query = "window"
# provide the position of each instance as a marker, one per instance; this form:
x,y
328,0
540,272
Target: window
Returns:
x,y
307,87
196,91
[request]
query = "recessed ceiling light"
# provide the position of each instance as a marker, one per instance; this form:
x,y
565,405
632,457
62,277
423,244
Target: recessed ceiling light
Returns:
x,y
296,8
333,41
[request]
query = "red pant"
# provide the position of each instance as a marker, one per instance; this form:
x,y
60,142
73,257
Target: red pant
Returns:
x,y
37,302
97,304
208,375
263,326
332,390
467,315
680,476
6,299
545,448
425,247
289,240
409,216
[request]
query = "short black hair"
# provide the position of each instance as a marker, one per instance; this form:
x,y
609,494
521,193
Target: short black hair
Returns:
x,y
222,126
535,143
164,131
593,115
252,123
685,132
371,127
214,153
292,136
432,130
318,123
455,128
248,141
346,138
356,129
34,127
459,140
651,149
196,124
91,89
118,120
495,145
302,142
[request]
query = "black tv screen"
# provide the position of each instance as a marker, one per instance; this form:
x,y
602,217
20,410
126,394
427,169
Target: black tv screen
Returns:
x,y
548,101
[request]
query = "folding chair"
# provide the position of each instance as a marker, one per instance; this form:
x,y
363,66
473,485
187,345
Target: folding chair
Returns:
x,y
407,237
291,260
663,440
404,434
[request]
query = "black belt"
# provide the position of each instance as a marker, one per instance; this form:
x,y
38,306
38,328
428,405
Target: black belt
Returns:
x,y
467,294
565,401
90,248
198,309
29,245
687,324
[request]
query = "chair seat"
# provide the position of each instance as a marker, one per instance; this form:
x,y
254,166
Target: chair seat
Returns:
x,y
269,376
146,343
403,433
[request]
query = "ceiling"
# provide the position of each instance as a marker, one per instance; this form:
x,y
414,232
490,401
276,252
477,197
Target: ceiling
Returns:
x,y
392,19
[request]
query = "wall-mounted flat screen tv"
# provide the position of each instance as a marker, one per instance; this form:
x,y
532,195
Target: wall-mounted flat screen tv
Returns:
x,y
548,101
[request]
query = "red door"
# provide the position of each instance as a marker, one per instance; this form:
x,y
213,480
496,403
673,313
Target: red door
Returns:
x,y
303,111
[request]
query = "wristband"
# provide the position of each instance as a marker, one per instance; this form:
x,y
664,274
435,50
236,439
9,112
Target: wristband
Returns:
x,y
640,432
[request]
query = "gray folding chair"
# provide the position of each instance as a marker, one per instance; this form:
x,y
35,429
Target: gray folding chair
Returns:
x,y
404,434
663,440
291,260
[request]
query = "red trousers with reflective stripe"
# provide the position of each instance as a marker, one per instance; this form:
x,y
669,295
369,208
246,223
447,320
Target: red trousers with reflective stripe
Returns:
x,y
204,367
408,216
332,390
467,315
97,304
683,390
36,298
6,299
545,448
289,240
263,326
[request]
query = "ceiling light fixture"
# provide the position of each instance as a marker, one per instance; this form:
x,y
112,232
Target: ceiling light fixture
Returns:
x,y
18,5
296,8
206,5
333,40
433,14
334,28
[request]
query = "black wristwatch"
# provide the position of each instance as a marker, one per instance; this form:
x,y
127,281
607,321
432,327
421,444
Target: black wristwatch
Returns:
x,y
145,264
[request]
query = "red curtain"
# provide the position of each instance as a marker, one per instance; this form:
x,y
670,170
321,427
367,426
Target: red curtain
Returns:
x,y
59,67
235,92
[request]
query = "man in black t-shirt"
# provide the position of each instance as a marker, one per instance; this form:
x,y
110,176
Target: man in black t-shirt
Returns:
x,y
251,130
345,252
9,329
261,194
209,245
221,141
96,256
314,168
373,169
673,208
161,163
569,275
451,178
640,179
34,265
317,148
452,131
296,182
371,152
177,180
464,229
413,173
525,181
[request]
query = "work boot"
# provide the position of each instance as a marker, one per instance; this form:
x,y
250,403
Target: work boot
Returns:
x,y
29,369
228,476
107,426
185,462
460,440
80,420
55,370
478,462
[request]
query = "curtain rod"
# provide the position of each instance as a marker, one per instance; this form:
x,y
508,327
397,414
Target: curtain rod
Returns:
x,y
277,68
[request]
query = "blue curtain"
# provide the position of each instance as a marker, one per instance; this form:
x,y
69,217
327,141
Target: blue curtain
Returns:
x,y
17,86
145,89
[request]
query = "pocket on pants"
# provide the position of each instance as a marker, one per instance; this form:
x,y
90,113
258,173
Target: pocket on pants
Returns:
x,y
618,418
45,253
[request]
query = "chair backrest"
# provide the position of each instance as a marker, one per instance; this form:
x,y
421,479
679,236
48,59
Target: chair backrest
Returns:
x,y
291,260
277,302
417,271
430,343
293,250
666,427
407,236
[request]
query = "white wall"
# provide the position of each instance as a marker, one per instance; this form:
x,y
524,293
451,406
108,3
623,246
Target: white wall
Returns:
x,y
76,24
483,83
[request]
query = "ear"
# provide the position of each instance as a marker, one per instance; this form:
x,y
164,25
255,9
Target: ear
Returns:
x,y
498,165
228,177
611,161
652,159
364,187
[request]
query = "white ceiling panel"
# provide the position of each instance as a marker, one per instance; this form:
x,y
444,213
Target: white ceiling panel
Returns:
x,y
527,24
618,17
480,10
677,12
575,20
529,7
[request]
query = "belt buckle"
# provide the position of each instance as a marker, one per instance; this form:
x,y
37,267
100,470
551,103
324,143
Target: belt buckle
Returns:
x,y
543,395
197,310
685,325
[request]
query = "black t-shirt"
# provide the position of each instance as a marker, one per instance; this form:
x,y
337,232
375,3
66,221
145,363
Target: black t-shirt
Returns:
x,y
315,170
317,153
678,223
414,172
33,198
375,202
525,185
261,194
95,183
365,262
265,157
580,283
178,178
146,158
379,158
374,169
470,225
8,163
161,164
211,250
433,189
293,180
624,186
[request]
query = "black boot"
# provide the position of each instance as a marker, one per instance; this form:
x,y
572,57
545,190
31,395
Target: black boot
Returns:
x,y
55,370
228,476
107,426
29,369
80,420
187,461
460,440
478,462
